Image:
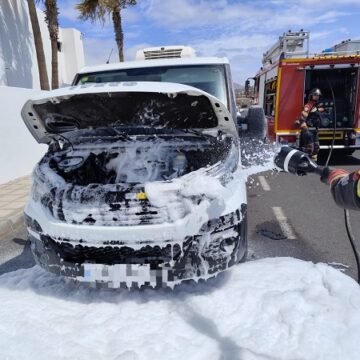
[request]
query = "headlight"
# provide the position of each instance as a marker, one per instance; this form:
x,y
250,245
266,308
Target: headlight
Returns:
x,y
32,224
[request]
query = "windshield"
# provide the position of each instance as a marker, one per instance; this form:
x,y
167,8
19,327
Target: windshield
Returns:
x,y
209,78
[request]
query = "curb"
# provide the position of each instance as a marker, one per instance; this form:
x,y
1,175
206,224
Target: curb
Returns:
x,y
12,224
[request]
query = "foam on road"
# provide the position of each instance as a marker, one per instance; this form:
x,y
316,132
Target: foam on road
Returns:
x,y
266,309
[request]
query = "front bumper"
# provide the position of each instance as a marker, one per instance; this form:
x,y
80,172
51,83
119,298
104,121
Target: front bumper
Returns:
x,y
220,244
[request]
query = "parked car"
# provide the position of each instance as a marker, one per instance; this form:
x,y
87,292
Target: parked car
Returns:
x,y
140,184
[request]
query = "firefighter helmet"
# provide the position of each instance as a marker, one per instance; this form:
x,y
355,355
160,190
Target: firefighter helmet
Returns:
x,y
315,91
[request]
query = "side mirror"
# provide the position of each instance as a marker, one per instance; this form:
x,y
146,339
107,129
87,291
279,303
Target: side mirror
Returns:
x,y
254,121
241,120
247,86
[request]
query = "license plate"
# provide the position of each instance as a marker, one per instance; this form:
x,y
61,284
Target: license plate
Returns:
x,y
129,274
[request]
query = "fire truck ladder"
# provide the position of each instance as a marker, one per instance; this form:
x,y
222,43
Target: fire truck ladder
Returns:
x,y
290,44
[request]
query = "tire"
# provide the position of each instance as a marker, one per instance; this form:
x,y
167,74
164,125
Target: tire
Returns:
x,y
244,239
342,152
256,122
348,151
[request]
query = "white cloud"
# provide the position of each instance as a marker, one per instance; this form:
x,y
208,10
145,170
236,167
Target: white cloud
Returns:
x,y
97,51
329,3
67,10
244,52
175,15
237,43
343,30
184,14
320,35
131,15
240,30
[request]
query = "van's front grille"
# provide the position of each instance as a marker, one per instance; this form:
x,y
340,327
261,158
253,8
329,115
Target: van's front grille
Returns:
x,y
113,254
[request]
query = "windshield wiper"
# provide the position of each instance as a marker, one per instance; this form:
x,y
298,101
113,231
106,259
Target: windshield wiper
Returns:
x,y
193,131
122,134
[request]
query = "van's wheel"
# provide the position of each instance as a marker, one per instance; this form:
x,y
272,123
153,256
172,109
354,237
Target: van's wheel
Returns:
x,y
244,239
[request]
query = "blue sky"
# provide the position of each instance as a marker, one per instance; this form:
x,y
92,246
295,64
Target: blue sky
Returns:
x,y
239,30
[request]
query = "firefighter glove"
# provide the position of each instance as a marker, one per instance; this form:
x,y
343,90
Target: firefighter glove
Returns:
x,y
330,175
345,189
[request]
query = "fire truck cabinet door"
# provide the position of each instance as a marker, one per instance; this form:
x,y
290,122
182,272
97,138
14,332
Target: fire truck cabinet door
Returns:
x,y
291,97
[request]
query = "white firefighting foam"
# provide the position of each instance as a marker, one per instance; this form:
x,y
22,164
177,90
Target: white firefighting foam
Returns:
x,y
278,308
190,202
202,193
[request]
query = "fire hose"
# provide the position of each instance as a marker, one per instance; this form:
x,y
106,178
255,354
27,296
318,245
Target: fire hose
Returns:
x,y
296,162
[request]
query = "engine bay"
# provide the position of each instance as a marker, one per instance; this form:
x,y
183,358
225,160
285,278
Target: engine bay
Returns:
x,y
136,161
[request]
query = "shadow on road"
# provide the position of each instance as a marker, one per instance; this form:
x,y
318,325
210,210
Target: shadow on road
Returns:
x,y
207,326
338,158
23,261
268,240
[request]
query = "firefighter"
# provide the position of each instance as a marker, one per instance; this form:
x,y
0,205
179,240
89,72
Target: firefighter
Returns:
x,y
309,138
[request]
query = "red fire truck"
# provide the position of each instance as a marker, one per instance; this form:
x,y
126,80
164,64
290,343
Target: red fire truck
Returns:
x,y
288,74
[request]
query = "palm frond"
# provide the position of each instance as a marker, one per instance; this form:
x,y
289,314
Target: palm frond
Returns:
x,y
92,10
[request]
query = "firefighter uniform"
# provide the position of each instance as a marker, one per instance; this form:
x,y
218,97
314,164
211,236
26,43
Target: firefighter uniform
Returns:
x,y
309,138
345,187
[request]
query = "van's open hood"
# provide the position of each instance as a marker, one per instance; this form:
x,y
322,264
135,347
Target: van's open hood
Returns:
x,y
127,105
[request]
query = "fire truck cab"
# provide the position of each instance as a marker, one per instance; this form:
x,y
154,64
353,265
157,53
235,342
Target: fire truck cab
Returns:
x,y
288,74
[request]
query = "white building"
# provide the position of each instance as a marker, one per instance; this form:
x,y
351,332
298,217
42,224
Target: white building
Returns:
x,y
18,62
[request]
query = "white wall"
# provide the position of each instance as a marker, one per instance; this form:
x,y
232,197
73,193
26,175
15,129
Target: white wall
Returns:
x,y
18,63
19,152
73,53
16,45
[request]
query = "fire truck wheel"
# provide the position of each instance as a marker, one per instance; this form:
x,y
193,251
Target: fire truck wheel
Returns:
x,y
256,122
348,151
339,152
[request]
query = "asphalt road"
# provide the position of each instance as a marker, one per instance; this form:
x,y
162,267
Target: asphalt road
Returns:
x,y
287,216
314,225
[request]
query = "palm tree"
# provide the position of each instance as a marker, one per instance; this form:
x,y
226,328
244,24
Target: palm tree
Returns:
x,y
51,18
97,9
40,55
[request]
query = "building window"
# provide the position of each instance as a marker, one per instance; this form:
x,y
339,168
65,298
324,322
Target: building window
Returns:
x,y
59,46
